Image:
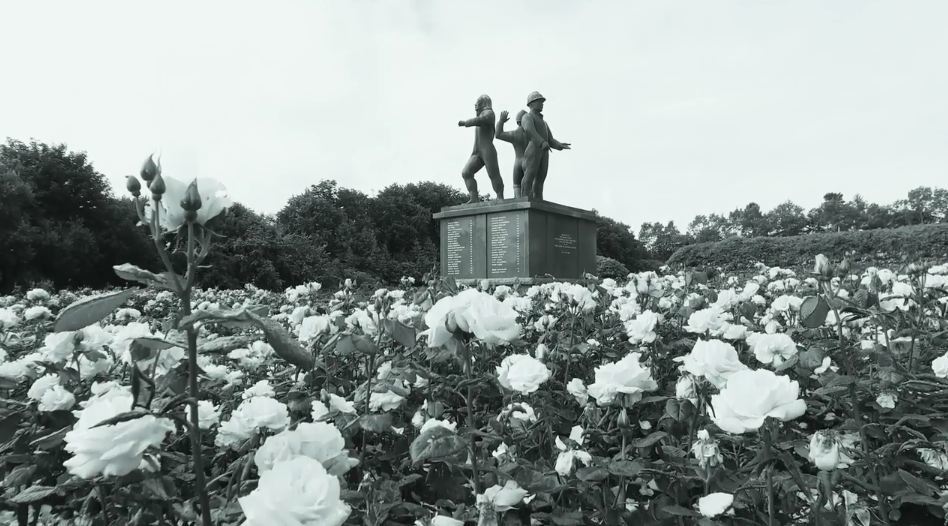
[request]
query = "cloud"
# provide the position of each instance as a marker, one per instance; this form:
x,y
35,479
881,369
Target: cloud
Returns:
x,y
672,109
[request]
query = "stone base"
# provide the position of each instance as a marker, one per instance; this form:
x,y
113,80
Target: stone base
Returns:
x,y
517,240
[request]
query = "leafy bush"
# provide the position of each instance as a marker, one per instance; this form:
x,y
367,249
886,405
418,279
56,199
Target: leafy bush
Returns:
x,y
881,245
610,268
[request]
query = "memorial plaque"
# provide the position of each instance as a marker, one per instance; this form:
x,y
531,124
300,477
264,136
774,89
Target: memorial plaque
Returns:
x,y
505,250
459,253
517,240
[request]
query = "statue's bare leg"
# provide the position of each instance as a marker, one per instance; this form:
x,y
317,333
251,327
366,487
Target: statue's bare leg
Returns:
x,y
493,171
529,175
470,168
541,175
518,177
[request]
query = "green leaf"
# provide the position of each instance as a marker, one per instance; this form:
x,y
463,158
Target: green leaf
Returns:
x,y
625,468
649,440
351,343
9,425
33,494
90,310
438,444
130,272
147,348
19,476
813,312
592,474
223,344
376,423
401,333
284,344
52,440
678,511
121,417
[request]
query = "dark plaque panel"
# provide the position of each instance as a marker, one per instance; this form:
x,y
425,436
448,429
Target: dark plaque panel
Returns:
x,y
564,246
459,249
506,243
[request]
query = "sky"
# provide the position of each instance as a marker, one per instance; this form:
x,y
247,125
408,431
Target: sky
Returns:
x,y
673,108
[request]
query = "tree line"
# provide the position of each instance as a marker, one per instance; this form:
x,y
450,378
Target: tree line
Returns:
x,y
62,225
922,205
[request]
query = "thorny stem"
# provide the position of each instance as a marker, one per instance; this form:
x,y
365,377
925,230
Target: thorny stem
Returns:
x,y
196,453
471,422
874,476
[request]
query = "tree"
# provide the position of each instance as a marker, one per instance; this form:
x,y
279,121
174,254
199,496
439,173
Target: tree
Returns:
x,y
786,219
616,241
662,240
60,221
750,221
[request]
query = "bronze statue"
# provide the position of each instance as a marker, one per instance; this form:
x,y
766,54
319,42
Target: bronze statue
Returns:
x,y
537,155
518,138
484,154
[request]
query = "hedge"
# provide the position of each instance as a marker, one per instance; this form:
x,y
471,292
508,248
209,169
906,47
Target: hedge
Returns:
x,y
879,245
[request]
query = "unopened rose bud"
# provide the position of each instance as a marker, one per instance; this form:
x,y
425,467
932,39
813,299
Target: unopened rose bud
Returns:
x,y
192,201
157,187
623,419
133,185
822,267
150,169
842,270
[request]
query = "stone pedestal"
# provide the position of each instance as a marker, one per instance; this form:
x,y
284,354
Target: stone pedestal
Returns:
x,y
516,240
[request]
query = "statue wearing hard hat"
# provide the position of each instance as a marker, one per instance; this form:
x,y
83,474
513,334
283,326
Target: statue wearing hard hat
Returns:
x,y
537,154
484,154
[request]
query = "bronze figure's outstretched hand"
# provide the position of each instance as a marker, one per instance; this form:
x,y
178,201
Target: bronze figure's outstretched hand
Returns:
x,y
461,123
504,116
563,146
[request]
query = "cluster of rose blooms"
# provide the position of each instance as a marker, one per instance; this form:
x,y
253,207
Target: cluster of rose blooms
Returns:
x,y
299,463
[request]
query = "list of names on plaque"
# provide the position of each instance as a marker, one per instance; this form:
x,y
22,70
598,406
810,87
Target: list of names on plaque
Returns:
x,y
505,244
460,253
565,243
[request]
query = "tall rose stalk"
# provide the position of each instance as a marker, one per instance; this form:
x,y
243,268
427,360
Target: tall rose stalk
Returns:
x,y
174,207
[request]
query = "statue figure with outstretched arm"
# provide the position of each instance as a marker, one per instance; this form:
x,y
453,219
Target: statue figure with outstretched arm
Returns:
x,y
537,155
518,138
484,154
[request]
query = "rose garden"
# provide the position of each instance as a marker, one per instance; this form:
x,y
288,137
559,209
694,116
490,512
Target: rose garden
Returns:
x,y
813,395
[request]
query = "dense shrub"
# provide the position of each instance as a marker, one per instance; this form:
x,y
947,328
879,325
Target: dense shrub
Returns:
x,y
915,242
610,268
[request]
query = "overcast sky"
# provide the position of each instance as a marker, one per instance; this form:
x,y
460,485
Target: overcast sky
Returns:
x,y
673,108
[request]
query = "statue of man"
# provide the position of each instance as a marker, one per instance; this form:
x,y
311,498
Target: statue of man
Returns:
x,y
537,155
484,154
518,138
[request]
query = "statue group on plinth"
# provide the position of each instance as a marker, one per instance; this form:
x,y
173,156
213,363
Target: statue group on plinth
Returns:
x,y
531,141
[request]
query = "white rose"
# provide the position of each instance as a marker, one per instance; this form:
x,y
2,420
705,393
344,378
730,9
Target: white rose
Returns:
x,y
41,385
340,404
251,414
712,359
576,388
772,348
887,400
312,326
715,504
319,410
36,295
472,311
261,388
57,398
320,441
825,452
940,366
208,414
502,498
115,449
37,312
443,520
432,423
522,373
751,396
704,320
626,376
296,491
214,199
386,401
8,318
642,328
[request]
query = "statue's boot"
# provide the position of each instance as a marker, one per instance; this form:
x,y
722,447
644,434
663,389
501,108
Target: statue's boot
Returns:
x,y
517,191
471,185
